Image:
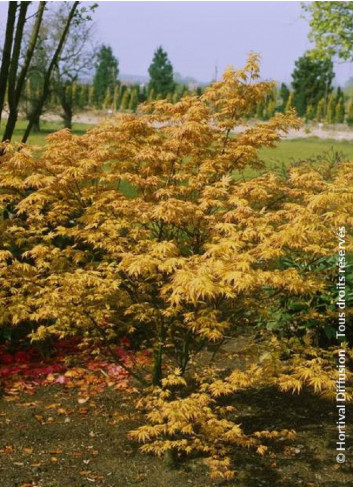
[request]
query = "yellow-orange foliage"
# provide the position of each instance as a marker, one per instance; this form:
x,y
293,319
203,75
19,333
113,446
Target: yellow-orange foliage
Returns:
x,y
145,227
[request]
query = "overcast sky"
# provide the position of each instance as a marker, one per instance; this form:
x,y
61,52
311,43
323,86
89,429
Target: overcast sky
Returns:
x,y
200,35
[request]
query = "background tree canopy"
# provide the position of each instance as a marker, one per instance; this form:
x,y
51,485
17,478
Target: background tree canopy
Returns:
x,y
161,74
106,74
331,28
311,81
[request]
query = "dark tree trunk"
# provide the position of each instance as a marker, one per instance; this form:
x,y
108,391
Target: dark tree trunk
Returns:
x,y
16,87
36,125
11,87
10,125
48,74
30,50
6,53
67,116
157,367
68,122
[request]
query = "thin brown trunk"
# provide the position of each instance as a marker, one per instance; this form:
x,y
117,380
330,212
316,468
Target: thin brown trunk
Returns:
x,y
11,88
68,119
157,367
6,53
17,86
158,357
36,125
48,74
30,50
66,104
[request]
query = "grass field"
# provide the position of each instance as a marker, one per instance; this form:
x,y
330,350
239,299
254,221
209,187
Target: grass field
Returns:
x,y
46,127
299,149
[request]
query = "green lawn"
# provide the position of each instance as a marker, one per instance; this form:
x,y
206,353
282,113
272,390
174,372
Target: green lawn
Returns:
x,y
304,149
298,149
46,128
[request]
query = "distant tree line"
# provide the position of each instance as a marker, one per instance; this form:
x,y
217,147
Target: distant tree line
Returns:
x,y
50,61
49,53
311,94
47,45
106,91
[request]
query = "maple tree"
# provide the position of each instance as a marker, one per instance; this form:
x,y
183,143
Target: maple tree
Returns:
x,y
145,229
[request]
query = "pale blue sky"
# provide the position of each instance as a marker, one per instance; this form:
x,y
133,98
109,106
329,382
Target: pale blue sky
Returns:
x,y
199,35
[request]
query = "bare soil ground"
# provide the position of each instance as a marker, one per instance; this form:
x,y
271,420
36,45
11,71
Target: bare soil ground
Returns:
x,y
51,438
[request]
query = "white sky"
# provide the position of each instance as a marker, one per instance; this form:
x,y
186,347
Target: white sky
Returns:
x,y
200,35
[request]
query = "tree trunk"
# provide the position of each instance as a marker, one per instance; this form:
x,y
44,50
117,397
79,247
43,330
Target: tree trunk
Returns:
x,y
68,121
30,50
68,113
16,87
6,53
171,458
11,87
36,125
48,74
157,367
10,125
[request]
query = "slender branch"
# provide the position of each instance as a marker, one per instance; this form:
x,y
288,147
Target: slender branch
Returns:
x,y
30,50
48,74
11,96
6,53
112,352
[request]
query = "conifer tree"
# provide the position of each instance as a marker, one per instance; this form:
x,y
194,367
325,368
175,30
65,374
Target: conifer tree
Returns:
x,y
122,90
339,94
320,110
311,80
260,108
289,104
106,74
340,111
125,100
161,74
349,118
91,96
270,109
107,99
151,94
83,96
74,88
133,102
116,96
142,94
175,97
284,94
310,113
331,110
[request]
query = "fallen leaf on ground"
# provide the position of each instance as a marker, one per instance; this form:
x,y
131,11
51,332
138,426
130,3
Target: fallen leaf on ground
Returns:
x,y
55,452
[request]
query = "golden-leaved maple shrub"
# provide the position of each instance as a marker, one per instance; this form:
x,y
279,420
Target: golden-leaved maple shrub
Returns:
x,y
146,228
